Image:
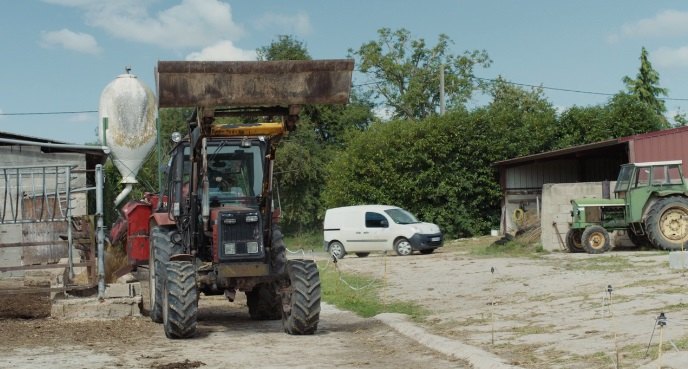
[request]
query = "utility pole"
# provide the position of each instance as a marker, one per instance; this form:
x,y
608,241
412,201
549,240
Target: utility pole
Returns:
x,y
442,89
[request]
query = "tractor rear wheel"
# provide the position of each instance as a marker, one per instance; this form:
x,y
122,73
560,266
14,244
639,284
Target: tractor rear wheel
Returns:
x,y
301,298
667,223
264,302
595,240
161,248
573,240
180,300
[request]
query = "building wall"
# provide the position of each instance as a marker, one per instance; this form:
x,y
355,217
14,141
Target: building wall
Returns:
x,y
662,147
13,233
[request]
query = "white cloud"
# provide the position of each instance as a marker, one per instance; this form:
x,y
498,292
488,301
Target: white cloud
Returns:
x,y
668,23
299,23
670,57
70,40
189,24
223,50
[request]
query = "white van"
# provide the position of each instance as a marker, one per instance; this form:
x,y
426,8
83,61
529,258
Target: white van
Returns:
x,y
364,229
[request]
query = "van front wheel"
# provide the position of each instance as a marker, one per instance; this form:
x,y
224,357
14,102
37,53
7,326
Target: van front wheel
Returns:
x,y
337,249
403,247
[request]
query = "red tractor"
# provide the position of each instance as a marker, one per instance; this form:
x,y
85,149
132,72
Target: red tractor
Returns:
x,y
211,230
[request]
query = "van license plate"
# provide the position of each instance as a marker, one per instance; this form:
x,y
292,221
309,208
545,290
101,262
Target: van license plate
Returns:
x,y
435,239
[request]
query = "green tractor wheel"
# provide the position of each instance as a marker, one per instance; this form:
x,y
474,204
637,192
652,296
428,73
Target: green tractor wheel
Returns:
x,y
595,240
667,223
573,240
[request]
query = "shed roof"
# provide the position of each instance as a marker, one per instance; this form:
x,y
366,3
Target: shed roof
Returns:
x,y
582,149
573,150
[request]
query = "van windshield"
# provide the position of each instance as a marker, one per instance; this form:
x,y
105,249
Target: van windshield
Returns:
x,y
401,216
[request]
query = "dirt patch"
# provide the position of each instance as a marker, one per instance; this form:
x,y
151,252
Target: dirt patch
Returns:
x,y
25,305
543,310
226,334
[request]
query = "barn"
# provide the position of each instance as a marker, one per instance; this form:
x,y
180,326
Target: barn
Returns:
x,y
43,183
537,188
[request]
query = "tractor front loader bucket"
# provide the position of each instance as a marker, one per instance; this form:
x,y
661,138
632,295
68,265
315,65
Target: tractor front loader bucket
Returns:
x,y
253,83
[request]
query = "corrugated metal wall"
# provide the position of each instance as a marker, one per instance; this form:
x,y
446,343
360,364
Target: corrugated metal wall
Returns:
x,y
534,175
671,146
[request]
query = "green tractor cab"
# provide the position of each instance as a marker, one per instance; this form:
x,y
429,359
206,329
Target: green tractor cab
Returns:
x,y
650,205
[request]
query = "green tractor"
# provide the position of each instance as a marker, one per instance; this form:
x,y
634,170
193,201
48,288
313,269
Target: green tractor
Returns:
x,y
650,205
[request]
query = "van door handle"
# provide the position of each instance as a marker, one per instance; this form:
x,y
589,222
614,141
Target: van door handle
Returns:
x,y
365,232
358,232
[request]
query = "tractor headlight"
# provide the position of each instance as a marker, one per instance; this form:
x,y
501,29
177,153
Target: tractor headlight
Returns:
x,y
176,137
229,221
251,218
252,247
230,248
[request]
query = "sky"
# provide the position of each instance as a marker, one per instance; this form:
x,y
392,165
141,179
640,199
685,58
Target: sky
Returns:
x,y
58,55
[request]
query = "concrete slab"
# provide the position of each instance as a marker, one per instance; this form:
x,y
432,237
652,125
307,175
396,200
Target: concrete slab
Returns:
x,y
479,359
92,308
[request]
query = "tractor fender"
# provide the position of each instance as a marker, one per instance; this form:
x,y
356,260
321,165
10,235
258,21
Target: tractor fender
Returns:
x,y
656,196
161,219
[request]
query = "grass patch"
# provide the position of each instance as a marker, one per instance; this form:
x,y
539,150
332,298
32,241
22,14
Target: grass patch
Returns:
x,y
533,329
362,295
669,308
304,241
613,263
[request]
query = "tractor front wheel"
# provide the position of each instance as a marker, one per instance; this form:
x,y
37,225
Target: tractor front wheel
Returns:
x,y
161,248
301,298
180,300
667,223
595,240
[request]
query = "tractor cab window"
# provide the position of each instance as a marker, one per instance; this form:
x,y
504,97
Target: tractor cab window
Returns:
x,y
179,158
234,172
642,177
674,175
624,179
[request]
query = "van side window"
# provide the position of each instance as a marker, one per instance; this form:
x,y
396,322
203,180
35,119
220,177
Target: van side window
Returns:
x,y
375,220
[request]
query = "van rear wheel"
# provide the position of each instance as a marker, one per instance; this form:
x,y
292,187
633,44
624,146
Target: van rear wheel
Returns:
x,y
337,249
403,247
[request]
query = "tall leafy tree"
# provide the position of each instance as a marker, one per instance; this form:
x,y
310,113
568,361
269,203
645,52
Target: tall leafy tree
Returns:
x,y
645,86
405,72
302,155
286,47
623,115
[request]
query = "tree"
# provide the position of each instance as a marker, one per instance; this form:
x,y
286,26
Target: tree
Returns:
x,y
405,72
646,85
286,47
623,115
524,119
302,155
